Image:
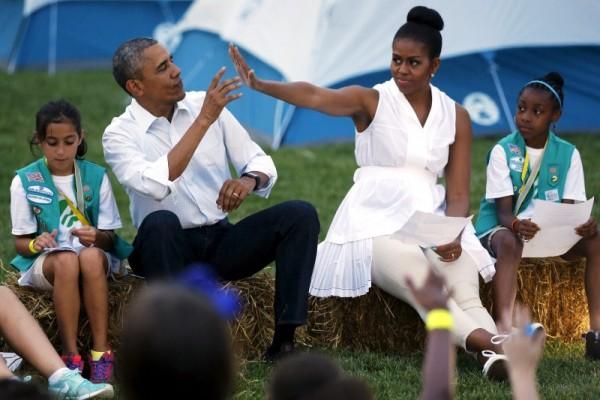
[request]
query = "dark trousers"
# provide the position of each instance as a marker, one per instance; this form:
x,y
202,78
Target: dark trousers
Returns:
x,y
286,233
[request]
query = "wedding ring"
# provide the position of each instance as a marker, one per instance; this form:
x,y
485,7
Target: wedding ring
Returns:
x,y
236,195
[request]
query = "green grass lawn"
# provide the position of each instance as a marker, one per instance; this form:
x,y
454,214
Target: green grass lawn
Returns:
x,y
320,175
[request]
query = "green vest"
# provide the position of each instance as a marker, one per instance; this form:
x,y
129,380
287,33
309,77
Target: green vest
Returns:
x,y
550,183
43,198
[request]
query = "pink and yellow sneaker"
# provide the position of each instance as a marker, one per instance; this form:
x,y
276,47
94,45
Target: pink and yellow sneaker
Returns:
x,y
101,371
73,361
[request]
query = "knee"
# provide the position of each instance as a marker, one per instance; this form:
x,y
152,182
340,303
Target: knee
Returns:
x,y
466,295
92,262
509,247
65,265
302,213
160,222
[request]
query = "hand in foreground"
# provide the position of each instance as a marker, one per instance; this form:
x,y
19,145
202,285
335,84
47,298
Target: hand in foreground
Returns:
x,y
449,252
244,71
45,240
523,350
218,96
87,235
526,229
432,294
587,230
233,192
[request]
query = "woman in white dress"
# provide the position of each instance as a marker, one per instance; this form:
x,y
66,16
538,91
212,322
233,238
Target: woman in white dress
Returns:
x,y
408,133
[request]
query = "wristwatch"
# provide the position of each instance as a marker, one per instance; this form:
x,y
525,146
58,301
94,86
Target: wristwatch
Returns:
x,y
253,176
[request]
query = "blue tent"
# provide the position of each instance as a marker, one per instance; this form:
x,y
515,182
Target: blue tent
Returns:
x,y
54,34
488,54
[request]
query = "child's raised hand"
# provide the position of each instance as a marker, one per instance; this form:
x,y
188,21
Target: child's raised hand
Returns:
x,y
87,235
524,348
432,294
45,240
588,230
526,229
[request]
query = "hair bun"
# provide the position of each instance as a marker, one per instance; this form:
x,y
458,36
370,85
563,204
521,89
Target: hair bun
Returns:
x,y
425,16
555,79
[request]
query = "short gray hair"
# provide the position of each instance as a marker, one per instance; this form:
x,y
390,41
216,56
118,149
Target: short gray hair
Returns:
x,y
128,58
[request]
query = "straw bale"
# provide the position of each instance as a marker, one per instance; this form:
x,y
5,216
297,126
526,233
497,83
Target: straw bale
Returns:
x,y
554,290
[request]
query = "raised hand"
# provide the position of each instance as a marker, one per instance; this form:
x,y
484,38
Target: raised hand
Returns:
x,y
432,294
449,252
246,74
218,96
588,229
234,192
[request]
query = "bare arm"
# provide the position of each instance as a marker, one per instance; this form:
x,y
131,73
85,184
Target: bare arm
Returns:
x,y
458,169
438,367
356,101
217,97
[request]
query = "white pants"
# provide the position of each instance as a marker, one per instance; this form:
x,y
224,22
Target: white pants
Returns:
x,y
393,261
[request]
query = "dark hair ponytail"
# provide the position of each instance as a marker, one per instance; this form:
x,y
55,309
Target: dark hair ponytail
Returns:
x,y
423,25
56,112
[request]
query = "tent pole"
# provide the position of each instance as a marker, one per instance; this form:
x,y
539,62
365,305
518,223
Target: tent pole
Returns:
x,y
52,38
489,56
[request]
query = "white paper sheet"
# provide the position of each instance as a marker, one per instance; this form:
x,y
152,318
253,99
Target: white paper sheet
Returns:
x,y
557,222
428,229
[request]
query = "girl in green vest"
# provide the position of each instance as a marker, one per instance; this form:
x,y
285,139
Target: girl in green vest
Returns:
x,y
533,163
63,216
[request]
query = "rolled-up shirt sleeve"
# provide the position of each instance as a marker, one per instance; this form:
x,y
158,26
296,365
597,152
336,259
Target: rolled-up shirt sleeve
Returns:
x,y
244,153
132,169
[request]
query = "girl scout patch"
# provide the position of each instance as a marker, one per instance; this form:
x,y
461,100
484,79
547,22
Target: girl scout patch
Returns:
x,y
516,163
553,174
34,177
514,149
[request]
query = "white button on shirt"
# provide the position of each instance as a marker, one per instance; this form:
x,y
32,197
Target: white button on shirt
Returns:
x,y
136,145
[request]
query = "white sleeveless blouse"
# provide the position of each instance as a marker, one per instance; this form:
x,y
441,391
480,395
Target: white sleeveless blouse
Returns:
x,y
399,164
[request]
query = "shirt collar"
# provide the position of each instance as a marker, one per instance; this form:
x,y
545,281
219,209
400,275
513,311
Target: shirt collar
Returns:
x,y
145,118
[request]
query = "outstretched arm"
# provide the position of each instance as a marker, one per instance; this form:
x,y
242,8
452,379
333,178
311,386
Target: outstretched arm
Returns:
x,y
355,101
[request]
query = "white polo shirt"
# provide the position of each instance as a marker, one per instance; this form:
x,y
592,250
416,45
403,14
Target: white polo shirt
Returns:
x,y
136,145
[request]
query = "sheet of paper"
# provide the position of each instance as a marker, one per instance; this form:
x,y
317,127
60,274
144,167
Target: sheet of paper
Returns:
x,y
557,222
428,229
60,248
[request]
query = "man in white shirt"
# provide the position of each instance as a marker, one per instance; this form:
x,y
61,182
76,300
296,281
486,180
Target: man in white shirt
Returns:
x,y
171,151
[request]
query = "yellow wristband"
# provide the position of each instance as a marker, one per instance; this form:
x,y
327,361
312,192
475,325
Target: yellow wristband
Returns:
x,y
439,318
32,248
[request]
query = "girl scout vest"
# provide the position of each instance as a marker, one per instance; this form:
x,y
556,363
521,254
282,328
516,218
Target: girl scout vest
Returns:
x,y
43,198
556,162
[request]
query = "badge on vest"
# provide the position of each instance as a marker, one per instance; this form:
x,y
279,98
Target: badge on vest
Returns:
x,y
553,175
514,149
87,193
34,198
37,210
551,195
34,177
516,163
41,190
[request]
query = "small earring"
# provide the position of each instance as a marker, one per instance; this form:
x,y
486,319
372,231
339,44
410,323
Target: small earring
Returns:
x,y
432,75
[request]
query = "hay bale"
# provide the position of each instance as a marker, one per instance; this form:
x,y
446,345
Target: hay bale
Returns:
x,y
554,290
379,322
252,332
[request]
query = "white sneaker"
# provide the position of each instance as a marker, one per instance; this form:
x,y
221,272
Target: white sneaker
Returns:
x,y
13,361
530,330
495,367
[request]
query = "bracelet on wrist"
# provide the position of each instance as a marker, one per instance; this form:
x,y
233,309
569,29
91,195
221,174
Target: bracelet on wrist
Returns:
x,y
32,248
439,319
514,225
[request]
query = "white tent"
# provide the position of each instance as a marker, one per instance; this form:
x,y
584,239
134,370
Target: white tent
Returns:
x,y
490,49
